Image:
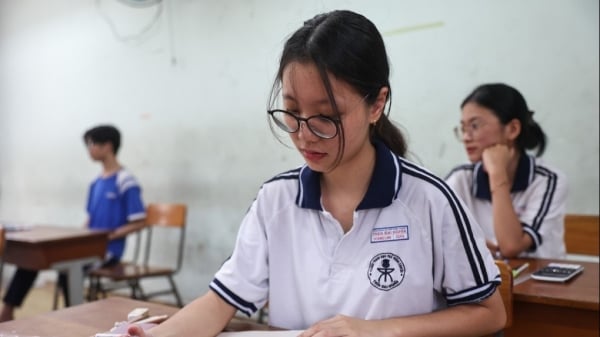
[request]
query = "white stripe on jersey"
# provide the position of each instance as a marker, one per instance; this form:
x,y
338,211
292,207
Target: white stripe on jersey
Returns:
x,y
125,181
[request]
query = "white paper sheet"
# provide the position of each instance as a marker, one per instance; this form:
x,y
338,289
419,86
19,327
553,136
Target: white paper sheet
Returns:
x,y
290,333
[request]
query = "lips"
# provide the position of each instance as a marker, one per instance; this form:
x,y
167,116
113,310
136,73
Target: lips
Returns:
x,y
312,155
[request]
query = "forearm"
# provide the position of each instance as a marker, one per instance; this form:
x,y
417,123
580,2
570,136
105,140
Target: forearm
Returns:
x,y
206,316
467,320
460,321
510,236
126,229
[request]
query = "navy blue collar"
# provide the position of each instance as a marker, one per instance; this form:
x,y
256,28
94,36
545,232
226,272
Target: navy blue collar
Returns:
x,y
383,187
523,177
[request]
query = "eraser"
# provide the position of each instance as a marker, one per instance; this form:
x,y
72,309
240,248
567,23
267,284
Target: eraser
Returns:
x,y
153,319
137,314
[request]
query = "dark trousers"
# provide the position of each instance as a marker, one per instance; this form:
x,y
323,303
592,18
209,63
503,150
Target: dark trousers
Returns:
x,y
23,280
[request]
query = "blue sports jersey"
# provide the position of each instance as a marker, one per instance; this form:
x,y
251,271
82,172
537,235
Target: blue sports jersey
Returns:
x,y
112,202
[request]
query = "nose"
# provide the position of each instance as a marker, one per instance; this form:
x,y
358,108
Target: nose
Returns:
x,y
304,131
467,135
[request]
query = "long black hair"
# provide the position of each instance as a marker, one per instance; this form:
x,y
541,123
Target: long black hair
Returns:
x,y
348,46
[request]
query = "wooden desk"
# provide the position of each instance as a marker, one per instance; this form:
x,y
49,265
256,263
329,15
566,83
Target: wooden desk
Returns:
x,y
61,248
90,318
81,320
555,309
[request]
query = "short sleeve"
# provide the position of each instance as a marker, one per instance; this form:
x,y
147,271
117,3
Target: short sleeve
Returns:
x,y
242,281
543,212
465,269
131,196
460,180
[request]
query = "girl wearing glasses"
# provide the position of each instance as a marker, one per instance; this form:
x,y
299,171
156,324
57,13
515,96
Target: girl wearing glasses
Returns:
x,y
357,241
518,200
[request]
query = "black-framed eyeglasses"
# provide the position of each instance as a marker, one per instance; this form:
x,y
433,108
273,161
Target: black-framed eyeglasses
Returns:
x,y
321,126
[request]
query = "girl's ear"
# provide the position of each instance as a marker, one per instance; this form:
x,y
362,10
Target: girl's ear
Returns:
x,y
379,105
512,129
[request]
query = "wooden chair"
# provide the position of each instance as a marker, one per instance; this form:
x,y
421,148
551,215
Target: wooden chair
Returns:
x,y
158,215
581,234
506,291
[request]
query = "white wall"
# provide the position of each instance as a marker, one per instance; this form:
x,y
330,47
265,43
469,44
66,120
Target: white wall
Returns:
x,y
190,97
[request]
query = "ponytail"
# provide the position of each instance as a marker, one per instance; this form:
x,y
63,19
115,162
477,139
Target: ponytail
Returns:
x,y
532,136
389,134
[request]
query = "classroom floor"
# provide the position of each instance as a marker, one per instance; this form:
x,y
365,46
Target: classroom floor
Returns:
x,y
38,301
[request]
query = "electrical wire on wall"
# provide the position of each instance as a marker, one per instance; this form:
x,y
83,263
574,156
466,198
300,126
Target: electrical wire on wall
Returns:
x,y
145,31
140,3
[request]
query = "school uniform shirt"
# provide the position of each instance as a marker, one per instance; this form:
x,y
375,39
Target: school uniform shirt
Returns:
x,y
539,195
112,202
413,249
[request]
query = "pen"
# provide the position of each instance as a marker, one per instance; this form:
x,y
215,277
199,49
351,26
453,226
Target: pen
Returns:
x,y
520,269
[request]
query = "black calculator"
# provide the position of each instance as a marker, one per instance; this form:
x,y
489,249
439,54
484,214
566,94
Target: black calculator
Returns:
x,y
557,272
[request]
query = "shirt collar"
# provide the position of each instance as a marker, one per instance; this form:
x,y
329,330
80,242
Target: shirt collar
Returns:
x,y
523,177
383,187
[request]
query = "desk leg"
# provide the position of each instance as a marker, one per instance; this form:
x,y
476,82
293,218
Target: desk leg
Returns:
x,y
75,277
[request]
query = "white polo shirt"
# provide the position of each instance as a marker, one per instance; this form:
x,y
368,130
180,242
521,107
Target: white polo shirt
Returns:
x,y
413,249
539,195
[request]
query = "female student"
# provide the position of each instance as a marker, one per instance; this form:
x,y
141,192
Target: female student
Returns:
x,y
518,200
358,241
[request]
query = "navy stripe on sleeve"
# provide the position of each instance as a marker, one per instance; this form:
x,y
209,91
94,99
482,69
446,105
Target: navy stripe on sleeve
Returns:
x,y
231,298
548,195
473,254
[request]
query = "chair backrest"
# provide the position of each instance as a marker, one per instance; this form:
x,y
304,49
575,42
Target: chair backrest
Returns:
x,y
2,241
2,245
582,234
168,215
506,290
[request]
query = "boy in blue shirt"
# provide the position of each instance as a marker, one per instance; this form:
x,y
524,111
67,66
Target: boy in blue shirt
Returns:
x,y
114,203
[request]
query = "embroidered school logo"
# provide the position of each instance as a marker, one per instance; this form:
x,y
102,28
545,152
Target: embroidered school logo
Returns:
x,y
386,271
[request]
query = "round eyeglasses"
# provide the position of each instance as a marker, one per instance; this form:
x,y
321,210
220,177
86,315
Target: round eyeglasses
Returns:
x,y
321,126
468,129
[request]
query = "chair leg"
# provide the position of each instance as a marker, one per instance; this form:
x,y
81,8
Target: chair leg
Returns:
x,y
133,289
175,292
93,288
136,290
91,293
261,316
56,294
100,289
